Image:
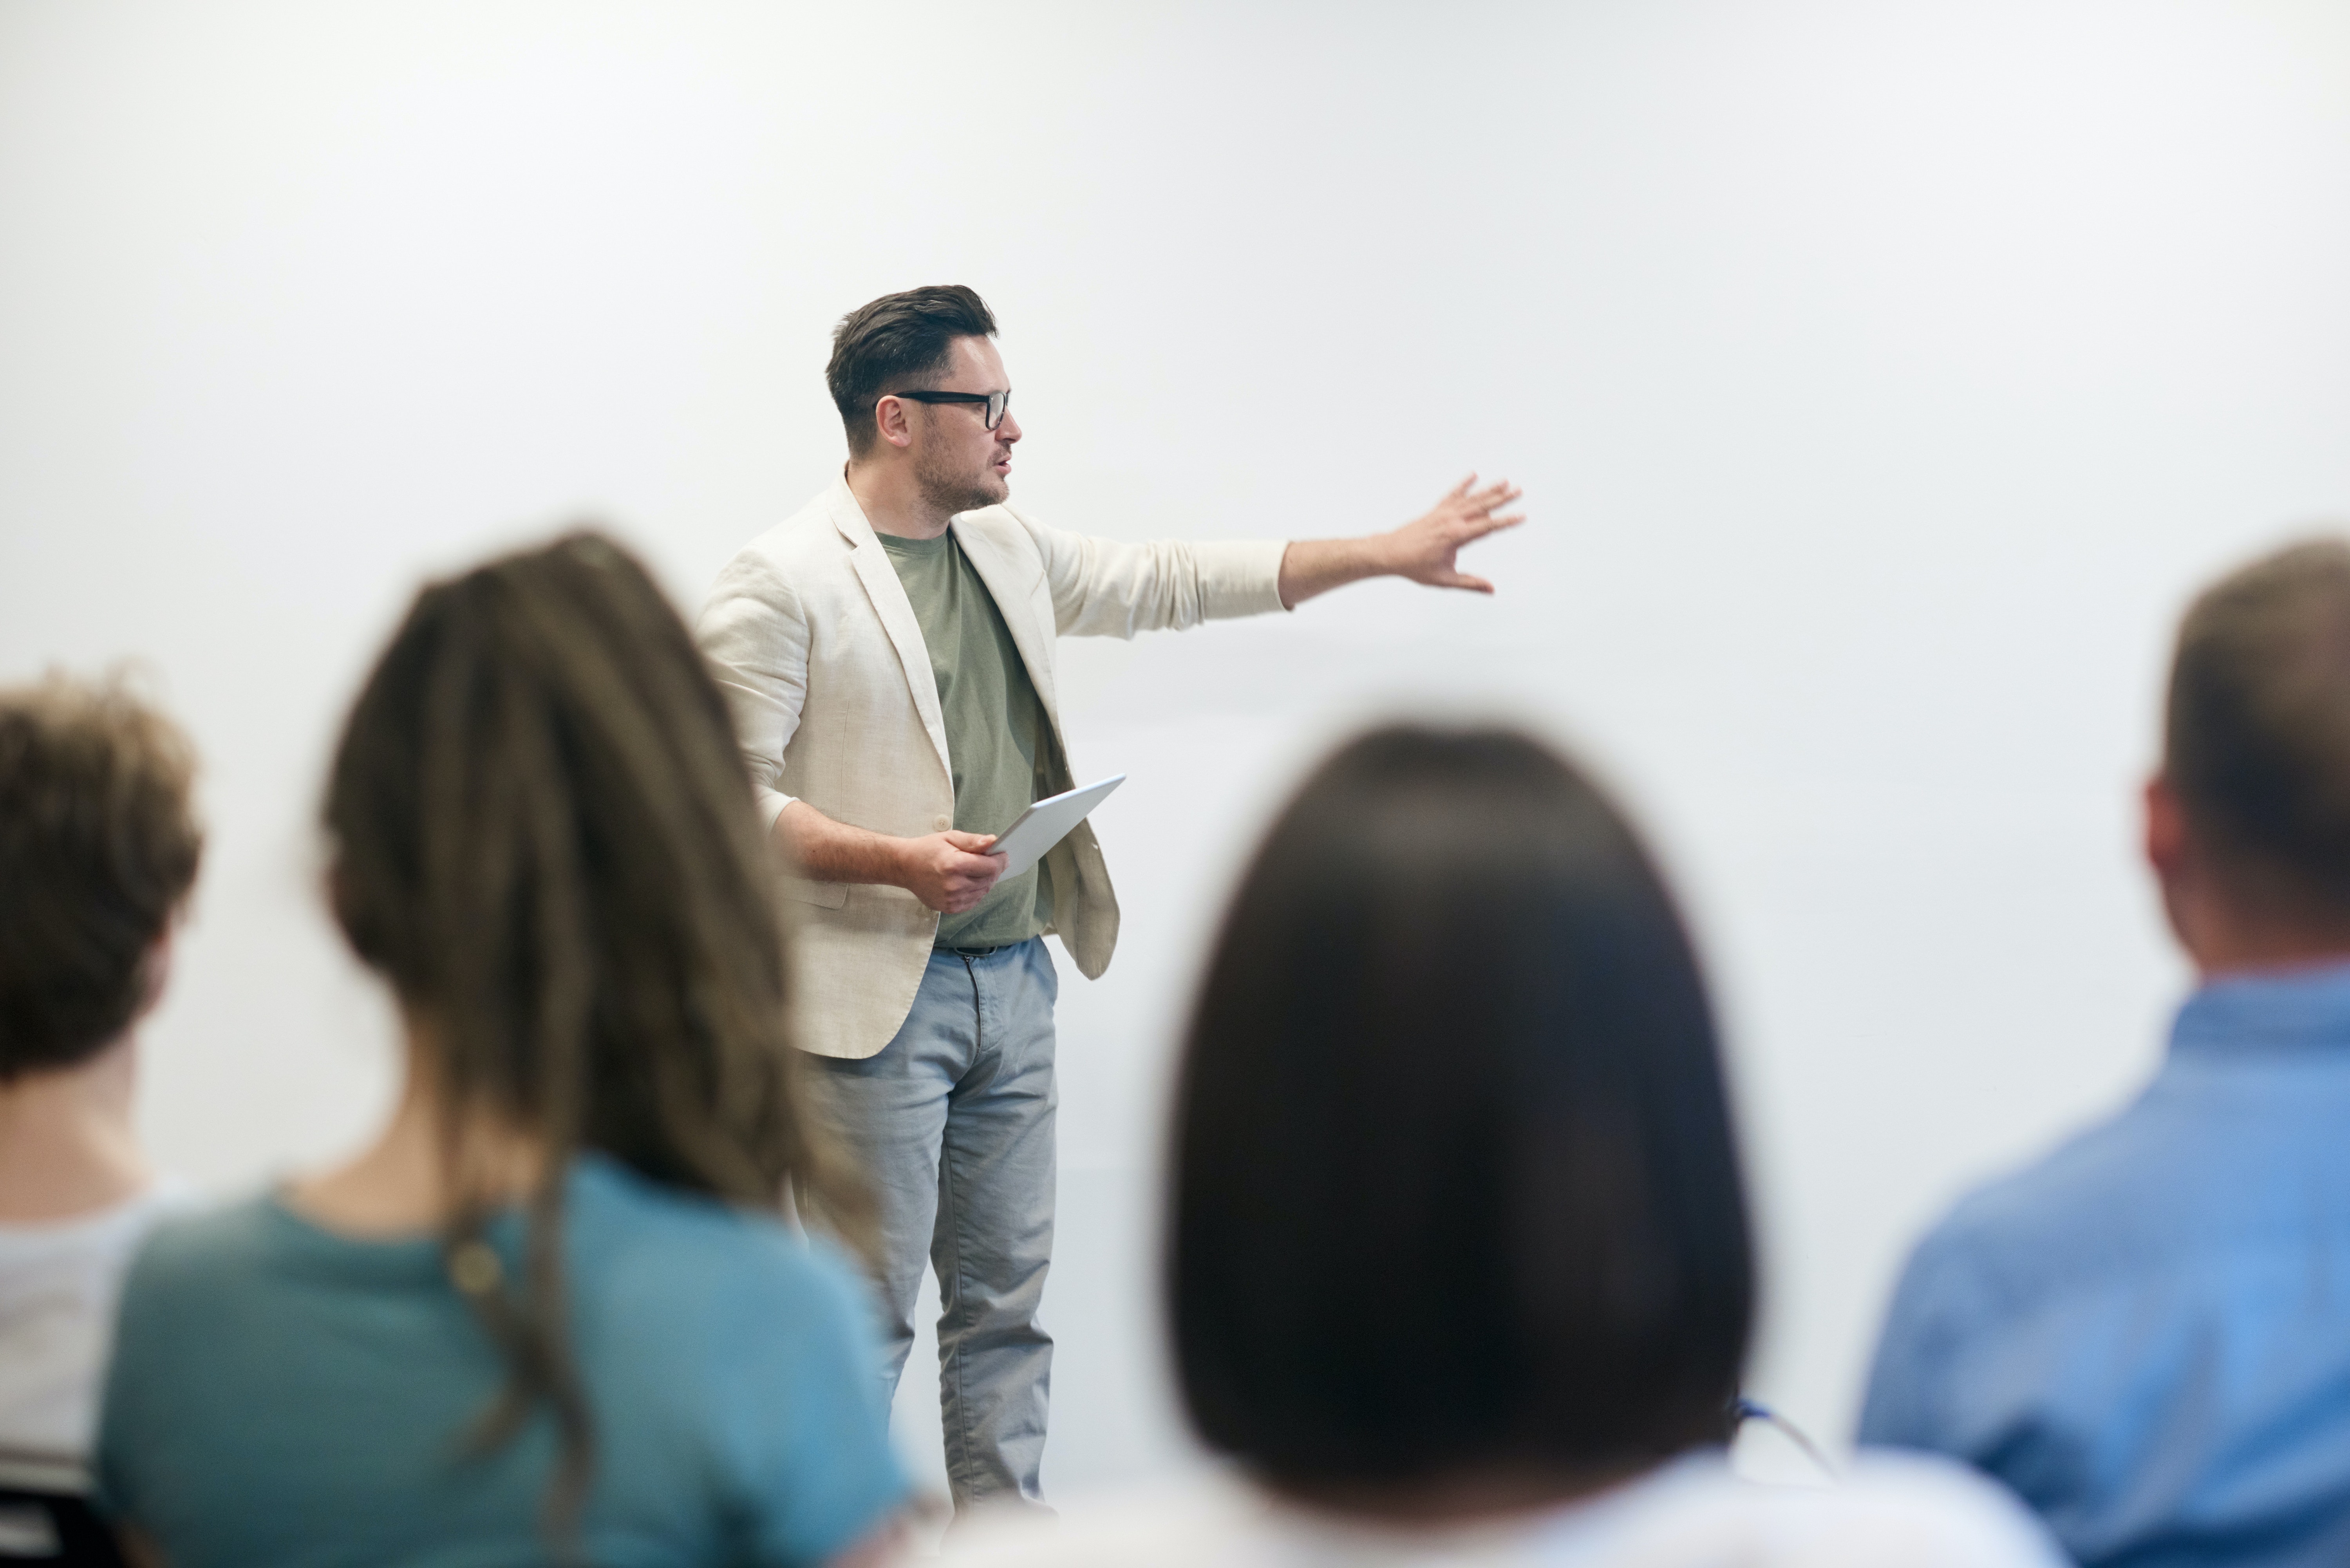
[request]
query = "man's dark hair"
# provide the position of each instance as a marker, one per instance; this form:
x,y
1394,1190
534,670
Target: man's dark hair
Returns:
x,y
98,846
2257,743
1456,1188
895,343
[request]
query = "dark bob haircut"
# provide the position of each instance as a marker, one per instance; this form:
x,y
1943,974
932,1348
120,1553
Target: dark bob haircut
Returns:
x,y
1456,1190
895,342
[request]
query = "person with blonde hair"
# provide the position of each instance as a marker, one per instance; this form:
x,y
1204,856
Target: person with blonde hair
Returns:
x,y
98,847
553,1312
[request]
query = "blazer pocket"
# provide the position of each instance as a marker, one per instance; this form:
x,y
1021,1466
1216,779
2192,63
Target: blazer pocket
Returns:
x,y
824,895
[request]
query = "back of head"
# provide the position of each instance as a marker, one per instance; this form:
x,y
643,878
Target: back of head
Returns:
x,y
2257,743
1456,1188
895,344
544,838
98,846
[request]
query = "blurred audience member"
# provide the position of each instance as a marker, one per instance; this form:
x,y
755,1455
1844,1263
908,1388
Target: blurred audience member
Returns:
x,y
1460,1268
98,849
552,1312
2147,1334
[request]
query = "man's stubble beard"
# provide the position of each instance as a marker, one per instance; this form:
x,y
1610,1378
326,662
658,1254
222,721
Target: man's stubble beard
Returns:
x,y
951,492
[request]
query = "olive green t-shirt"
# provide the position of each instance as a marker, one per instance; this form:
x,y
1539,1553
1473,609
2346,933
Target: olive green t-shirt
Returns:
x,y
996,735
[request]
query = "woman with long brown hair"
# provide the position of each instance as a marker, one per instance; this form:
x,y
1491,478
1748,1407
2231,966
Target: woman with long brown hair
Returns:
x,y
552,1312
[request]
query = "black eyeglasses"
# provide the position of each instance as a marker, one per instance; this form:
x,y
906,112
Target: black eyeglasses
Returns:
x,y
996,402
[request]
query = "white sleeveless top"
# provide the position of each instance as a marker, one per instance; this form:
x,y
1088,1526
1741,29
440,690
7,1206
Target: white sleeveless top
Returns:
x,y
59,1281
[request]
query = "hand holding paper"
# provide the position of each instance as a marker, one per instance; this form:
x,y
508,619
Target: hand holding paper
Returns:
x,y
1045,824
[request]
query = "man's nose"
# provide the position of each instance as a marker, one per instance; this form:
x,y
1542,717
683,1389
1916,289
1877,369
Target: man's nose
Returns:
x,y
1009,431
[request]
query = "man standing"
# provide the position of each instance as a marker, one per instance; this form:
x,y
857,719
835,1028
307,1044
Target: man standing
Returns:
x,y
889,654
2147,1334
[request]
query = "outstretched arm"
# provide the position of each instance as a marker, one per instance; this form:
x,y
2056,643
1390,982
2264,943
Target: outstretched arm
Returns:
x,y
1422,551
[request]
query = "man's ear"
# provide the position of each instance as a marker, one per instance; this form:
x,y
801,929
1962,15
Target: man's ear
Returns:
x,y
2165,828
893,421
2170,852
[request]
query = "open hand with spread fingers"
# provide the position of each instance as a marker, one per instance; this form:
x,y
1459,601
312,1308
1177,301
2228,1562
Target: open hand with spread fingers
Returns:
x,y
1424,551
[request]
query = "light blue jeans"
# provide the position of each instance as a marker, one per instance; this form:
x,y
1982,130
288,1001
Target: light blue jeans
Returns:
x,y
951,1125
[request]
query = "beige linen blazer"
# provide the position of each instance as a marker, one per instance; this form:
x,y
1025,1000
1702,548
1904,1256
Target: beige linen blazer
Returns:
x,y
817,647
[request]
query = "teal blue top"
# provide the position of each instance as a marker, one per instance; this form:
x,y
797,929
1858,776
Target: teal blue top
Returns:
x,y
282,1395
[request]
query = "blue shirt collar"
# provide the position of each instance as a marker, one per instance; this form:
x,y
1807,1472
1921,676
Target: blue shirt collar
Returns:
x,y
2297,1008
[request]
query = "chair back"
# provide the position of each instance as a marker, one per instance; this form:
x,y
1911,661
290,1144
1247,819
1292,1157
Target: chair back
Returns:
x,y
46,1517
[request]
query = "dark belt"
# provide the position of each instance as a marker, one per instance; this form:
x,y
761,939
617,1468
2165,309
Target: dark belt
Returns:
x,y
975,952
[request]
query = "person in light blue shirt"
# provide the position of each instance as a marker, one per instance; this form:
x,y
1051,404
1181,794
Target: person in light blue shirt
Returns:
x,y
553,1313
2147,1334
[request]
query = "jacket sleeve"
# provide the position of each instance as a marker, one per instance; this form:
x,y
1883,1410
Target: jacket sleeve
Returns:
x,y
754,634
1105,587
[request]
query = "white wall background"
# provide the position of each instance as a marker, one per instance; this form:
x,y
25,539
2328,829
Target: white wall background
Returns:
x,y
1881,377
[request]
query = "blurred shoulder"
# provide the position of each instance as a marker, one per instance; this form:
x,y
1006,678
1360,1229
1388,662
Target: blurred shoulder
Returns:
x,y
1918,1513
2074,1212
195,1267
1915,1510
188,1243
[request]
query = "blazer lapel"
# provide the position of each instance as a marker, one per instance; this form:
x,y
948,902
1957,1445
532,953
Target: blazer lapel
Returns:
x,y
1014,591
897,612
